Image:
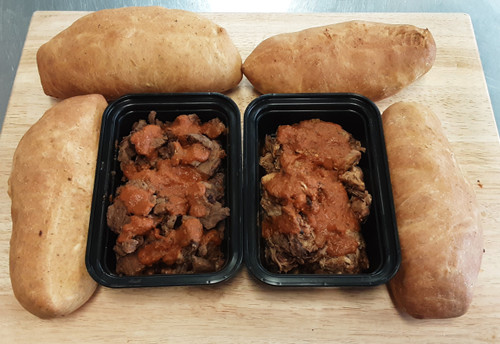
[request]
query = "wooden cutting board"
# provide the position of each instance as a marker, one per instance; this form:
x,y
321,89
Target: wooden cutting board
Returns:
x,y
244,310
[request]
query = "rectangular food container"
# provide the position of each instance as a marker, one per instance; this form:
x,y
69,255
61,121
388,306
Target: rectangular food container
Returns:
x,y
358,116
116,123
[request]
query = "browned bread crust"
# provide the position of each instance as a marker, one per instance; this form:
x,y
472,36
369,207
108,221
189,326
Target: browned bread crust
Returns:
x,y
50,186
373,59
139,50
437,215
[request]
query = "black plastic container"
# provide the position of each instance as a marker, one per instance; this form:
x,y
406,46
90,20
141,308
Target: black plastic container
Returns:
x,y
116,123
360,117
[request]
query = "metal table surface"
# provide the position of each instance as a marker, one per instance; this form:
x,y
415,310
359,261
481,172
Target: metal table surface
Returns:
x,y
485,15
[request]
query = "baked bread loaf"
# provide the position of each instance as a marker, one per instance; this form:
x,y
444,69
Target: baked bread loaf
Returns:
x,y
373,59
139,50
51,185
437,216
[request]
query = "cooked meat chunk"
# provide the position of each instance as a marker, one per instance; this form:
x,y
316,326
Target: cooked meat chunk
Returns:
x,y
129,265
126,153
270,157
270,206
215,187
209,166
353,178
355,186
117,216
169,213
129,246
360,205
216,213
313,200
160,206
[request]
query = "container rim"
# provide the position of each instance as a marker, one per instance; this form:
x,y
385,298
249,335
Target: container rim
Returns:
x,y
175,102
270,104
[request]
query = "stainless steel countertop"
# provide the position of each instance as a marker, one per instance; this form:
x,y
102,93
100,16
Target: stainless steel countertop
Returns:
x,y
15,16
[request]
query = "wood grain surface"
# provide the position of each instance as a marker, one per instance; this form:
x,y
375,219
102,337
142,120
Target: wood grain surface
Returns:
x,y
242,309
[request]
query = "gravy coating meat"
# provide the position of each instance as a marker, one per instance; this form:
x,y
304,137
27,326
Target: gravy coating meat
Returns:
x,y
169,212
313,200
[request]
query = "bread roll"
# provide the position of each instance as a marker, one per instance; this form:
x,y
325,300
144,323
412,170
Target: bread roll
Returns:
x,y
373,59
51,186
139,50
437,216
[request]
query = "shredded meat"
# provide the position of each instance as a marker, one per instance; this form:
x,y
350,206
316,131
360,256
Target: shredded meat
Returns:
x,y
169,212
313,200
